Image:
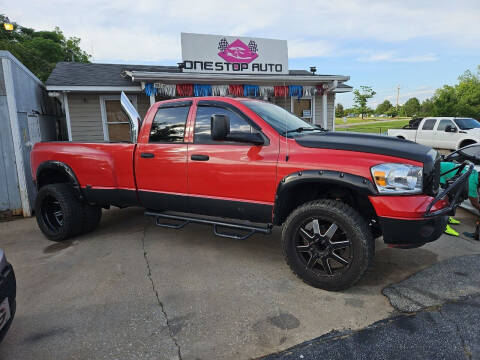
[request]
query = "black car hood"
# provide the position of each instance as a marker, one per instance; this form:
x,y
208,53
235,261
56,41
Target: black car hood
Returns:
x,y
374,144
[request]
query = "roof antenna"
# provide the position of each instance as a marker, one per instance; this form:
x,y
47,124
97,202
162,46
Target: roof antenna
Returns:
x,y
286,130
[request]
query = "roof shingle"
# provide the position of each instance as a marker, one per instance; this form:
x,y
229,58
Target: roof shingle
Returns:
x,y
94,74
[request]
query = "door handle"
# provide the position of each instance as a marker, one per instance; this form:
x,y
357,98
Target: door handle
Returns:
x,y
147,155
200,157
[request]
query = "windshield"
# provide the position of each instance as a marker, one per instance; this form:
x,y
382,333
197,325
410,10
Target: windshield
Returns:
x,y
278,118
467,123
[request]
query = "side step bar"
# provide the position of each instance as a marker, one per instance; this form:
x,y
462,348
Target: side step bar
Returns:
x,y
185,220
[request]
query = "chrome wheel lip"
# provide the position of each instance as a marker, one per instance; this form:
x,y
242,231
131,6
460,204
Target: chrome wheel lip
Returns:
x,y
319,247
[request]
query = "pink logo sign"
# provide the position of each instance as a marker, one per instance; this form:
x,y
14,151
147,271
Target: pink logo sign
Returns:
x,y
237,51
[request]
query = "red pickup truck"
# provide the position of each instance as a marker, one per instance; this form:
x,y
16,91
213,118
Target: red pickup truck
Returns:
x,y
207,159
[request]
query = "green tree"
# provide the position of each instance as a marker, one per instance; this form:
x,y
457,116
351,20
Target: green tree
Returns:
x,y
39,51
444,101
392,112
411,107
361,97
426,108
462,99
339,110
383,107
468,95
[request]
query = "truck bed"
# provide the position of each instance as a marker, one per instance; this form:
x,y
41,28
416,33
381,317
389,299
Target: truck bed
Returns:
x,y
97,166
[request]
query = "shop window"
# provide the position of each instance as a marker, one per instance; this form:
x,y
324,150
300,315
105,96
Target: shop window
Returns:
x,y
302,108
116,125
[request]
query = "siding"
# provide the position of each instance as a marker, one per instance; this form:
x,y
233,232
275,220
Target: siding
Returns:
x,y
318,110
28,107
143,104
85,117
330,110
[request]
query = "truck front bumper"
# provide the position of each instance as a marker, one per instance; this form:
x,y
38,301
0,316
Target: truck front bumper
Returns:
x,y
403,222
412,232
411,221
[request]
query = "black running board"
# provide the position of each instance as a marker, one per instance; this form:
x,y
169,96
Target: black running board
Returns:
x,y
185,220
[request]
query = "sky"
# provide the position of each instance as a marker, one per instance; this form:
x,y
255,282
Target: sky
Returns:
x,y
417,45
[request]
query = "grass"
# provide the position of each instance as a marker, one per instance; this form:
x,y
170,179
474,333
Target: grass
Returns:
x,y
354,120
375,128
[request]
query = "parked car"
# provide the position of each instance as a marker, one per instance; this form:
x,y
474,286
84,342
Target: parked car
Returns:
x,y
255,163
441,132
8,293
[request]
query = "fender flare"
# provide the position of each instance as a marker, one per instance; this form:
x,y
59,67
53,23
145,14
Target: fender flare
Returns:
x,y
58,165
358,184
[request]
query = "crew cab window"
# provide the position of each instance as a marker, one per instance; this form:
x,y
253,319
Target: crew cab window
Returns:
x,y
203,133
169,125
429,124
443,125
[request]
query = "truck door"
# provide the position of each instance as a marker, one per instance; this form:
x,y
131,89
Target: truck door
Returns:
x,y
446,140
161,160
425,132
230,179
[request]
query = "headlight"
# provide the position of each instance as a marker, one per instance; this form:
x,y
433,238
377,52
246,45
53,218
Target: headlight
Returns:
x,y
398,178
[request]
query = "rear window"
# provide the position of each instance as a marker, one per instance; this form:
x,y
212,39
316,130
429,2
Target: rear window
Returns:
x,y
169,125
429,124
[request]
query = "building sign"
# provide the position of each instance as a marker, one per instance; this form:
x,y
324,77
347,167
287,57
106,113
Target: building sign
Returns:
x,y
232,54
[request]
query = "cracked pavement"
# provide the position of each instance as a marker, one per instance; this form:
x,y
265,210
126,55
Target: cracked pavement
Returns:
x,y
131,290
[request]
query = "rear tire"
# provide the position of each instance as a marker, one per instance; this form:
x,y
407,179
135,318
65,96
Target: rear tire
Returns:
x,y
91,217
59,213
327,244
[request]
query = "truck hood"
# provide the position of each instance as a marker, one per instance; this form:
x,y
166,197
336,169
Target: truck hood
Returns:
x,y
367,143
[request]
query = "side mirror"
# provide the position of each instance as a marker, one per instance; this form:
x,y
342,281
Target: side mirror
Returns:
x,y
220,127
252,138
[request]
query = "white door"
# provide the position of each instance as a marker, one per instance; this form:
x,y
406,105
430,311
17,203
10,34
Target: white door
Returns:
x,y
442,139
425,133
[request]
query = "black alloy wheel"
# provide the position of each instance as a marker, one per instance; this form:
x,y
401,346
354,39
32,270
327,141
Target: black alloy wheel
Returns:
x,y
60,214
323,246
52,213
327,244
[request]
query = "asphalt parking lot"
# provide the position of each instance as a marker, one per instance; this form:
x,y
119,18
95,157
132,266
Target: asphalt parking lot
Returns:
x,y
131,290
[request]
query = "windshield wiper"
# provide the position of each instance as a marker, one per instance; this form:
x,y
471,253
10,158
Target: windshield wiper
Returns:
x,y
300,129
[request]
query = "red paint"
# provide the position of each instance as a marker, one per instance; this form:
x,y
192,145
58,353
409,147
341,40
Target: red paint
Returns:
x,y
404,207
235,172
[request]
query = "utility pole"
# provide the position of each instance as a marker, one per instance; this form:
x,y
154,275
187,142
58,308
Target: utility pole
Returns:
x,y
398,94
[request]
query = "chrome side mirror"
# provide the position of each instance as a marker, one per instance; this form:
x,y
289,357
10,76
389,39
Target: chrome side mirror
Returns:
x,y
133,116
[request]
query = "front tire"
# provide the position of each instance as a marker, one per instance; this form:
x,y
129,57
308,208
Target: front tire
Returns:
x,y
327,244
59,213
